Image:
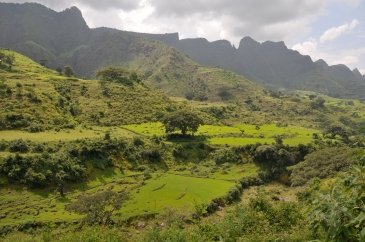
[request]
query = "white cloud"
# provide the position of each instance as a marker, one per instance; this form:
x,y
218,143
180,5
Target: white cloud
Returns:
x,y
335,32
308,47
351,57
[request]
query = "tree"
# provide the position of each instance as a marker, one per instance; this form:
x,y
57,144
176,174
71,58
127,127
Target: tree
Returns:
x,y
183,120
98,207
68,71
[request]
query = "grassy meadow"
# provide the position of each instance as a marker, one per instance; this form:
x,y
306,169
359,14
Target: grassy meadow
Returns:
x,y
239,134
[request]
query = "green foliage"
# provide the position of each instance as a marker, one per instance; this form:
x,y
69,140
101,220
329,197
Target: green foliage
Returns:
x,y
183,120
321,164
118,74
226,156
46,169
98,208
339,215
339,130
41,170
18,146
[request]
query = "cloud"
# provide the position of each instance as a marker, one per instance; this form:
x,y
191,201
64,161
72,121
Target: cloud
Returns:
x,y
335,32
308,47
261,19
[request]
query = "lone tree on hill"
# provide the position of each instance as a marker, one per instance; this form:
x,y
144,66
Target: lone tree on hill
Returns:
x,y
183,120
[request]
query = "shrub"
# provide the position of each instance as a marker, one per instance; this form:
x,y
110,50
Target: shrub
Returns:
x,y
321,164
118,74
226,156
152,155
18,146
274,159
338,215
98,208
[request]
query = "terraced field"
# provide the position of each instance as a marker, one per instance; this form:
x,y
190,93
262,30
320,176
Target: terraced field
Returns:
x,y
164,190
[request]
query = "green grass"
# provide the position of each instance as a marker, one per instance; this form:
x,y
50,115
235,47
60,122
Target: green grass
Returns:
x,y
148,129
65,135
240,134
179,192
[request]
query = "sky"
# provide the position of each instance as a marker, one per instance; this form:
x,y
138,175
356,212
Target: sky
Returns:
x,y
333,30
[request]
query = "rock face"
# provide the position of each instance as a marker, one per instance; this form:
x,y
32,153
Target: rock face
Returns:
x,y
63,38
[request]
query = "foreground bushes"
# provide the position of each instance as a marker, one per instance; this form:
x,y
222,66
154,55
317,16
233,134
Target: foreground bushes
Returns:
x,y
339,214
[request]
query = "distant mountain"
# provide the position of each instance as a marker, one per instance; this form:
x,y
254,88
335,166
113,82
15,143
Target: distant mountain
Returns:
x,y
271,64
63,38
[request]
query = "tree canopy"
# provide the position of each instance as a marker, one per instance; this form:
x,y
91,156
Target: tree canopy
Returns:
x,y
182,120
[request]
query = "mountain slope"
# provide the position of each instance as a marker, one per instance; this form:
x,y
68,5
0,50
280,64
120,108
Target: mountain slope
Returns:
x,y
271,64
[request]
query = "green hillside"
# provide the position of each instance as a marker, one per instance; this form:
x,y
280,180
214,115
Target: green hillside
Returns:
x,y
36,98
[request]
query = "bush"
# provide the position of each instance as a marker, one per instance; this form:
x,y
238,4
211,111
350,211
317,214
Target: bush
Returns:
x,y
338,215
40,170
226,156
152,155
321,164
98,208
118,74
18,146
275,159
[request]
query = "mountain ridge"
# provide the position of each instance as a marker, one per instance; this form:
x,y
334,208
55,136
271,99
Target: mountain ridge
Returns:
x,y
272,64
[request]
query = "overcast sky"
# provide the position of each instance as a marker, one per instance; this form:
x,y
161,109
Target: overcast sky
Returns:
x,y
333,30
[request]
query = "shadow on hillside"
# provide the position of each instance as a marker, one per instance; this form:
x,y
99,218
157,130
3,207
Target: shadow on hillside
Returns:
x,y
179,138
